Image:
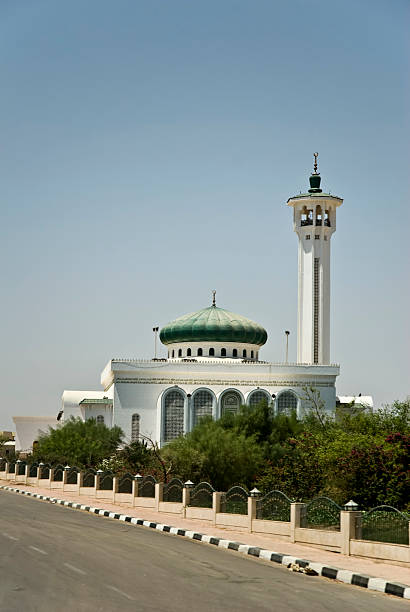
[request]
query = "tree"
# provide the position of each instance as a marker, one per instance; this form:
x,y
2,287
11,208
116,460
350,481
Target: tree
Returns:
x,y
78,442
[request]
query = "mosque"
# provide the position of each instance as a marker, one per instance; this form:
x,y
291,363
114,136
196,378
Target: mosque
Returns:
x,y
214,362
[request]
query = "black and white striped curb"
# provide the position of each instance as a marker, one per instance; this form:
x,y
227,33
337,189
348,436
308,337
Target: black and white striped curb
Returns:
x,y
342,575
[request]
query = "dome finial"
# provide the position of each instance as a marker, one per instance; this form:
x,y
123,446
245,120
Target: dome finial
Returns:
x,y
315,155
314,178
214,297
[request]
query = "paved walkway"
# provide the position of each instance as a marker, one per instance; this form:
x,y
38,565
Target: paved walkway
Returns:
x,y
395,572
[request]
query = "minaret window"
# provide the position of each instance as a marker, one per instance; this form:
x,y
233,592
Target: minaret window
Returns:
x,y
211,352
327,220
318,215
199,352
223,352
173,415
203,402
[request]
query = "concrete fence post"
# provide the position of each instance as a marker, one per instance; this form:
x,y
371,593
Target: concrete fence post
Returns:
x,y
216,504
115,483
186,496
251,511
80,480
295,517
26,473
50,477
97,482
159,494
348,528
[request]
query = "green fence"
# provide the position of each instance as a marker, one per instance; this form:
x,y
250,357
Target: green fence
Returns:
x,y
321,513
235,501
384,524
274,506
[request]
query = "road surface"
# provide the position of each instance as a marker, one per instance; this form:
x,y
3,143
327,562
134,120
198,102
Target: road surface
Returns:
x,y
58,559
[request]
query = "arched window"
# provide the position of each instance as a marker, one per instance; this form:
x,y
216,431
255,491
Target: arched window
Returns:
x,y
223,352
211,352
173,415
235,353
203,402
244,353
231,401
173,353
258,396
252,354
188,353
179,352
100,419
287,402
199,352
135,427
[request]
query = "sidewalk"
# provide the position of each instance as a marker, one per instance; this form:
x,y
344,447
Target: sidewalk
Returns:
x,y
370,567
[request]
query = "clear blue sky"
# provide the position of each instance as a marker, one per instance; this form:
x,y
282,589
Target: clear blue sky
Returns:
x,y
147,149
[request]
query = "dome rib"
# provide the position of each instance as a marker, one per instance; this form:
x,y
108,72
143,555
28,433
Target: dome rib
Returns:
x,y
213,324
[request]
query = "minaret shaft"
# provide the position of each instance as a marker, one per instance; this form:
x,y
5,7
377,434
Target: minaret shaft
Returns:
x,y
314,223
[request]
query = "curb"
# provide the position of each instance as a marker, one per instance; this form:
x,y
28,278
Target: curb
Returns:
x,y
341,575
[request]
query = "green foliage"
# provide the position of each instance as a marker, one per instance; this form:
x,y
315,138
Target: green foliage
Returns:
x,y
77,442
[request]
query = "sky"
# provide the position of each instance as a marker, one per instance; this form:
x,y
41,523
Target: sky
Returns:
x,y
147,151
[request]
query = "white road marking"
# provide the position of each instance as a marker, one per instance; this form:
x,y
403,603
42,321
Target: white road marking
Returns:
x,y
113,588
75,569
10,537
43,552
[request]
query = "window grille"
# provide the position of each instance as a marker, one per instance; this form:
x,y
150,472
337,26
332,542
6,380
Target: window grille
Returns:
x,y
203,403
231,402
135,427
100,419
173,415
257,397
316,300
287,402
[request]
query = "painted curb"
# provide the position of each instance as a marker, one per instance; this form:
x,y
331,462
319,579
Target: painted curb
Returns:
x,y
342,575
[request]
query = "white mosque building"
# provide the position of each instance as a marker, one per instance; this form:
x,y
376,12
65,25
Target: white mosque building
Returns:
x,y
214,362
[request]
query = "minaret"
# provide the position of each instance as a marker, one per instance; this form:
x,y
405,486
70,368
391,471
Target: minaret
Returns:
x,y
314,221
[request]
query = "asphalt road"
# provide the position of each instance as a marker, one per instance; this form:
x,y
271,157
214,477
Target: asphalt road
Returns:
x,y
58,559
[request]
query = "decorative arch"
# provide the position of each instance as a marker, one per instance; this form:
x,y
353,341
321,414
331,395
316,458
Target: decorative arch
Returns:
x,y
286,402
257,396
173,414
202,404
230,401
135,427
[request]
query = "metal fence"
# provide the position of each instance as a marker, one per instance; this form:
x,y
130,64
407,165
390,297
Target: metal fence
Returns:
x,y
32,472
201,495
173,491
235,500
44,471
2,465
58,473
125,483
383,524
72,475
321,513
21,468
12,468
146,488
274,506
89,478
106,481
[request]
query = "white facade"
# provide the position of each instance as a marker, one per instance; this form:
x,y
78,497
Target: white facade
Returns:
x,y
30,428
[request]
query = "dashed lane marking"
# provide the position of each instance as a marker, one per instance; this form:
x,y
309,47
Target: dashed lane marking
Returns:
x,y
75,569
10,537
39,550
113,588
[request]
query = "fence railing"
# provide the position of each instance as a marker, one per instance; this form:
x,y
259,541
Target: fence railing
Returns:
x,y
172,491
125,483
235,501
58,473
274,506
89,478
201,495
146,488
384,524
321,513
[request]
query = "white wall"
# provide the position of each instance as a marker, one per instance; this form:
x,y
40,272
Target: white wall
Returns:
x,y
28,429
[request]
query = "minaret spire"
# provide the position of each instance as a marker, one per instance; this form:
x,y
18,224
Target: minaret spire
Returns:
x,y
315,155
314,178
214,298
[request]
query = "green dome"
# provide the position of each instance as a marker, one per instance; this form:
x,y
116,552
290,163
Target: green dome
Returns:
x,y
213,324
